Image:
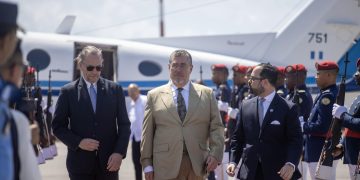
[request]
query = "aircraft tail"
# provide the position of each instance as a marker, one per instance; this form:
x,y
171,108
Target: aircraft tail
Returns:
x,y
66,25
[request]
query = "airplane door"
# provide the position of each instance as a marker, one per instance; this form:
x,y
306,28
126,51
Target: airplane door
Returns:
x,y
109,53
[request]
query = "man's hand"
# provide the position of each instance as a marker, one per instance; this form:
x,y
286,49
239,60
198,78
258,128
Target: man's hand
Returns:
x,y
338,150
114,162
286,172
89,144
149,175
230,170
211,163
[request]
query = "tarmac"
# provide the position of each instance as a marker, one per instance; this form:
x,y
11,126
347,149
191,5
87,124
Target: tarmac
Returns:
x,y
55,169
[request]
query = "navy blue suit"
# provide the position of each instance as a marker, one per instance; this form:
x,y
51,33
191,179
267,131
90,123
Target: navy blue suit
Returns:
x,y
318,123
351,139
74,119
277,141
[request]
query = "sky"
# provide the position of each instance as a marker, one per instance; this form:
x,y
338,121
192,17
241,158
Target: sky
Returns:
x,y
132,19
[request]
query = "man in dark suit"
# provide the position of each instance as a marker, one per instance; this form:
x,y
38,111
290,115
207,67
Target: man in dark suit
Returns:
x,y
91,120
268,136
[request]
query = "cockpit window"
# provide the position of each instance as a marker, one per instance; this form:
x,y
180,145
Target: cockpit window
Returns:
x,y
149,68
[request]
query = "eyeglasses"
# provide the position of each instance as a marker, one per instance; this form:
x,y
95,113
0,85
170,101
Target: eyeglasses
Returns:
x,y
253,78
91,67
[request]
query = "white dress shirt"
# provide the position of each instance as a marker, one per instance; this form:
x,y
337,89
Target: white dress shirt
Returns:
x,y
185,93
88,84
267,102
136,110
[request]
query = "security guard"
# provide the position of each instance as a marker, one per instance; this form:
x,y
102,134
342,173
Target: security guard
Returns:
x,y
295,76
350,142
316,127
280,82
220,75
238,94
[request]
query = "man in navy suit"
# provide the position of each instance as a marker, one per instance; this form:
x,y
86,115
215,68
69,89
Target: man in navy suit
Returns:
x,y
91,120
268,136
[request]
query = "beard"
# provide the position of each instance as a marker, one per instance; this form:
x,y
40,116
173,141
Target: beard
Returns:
x,y
256,91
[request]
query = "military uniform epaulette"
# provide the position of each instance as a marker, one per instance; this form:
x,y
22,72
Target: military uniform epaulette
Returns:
x,y
327,91
301,91
280,91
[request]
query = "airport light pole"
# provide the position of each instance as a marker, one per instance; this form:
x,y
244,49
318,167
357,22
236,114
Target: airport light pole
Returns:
x,y
162,31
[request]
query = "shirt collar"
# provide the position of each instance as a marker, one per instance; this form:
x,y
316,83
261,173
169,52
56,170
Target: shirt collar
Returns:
x,y
270,97
88,84
174,88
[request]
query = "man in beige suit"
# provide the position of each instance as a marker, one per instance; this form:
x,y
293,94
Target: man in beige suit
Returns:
x,y
182,136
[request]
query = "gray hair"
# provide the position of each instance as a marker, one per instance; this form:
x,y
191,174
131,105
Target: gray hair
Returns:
x,y
180,53
86,51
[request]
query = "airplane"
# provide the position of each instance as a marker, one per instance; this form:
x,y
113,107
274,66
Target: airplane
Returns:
x,y
323,29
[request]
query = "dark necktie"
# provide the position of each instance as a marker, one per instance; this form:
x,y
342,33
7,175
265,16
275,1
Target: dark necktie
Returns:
x,y
93,97
181,107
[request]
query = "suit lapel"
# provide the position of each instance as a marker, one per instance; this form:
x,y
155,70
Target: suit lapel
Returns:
x,y
100,93
167,99
83,94
194,99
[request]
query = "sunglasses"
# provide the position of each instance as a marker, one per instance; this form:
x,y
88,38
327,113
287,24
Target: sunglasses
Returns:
x,y
91,68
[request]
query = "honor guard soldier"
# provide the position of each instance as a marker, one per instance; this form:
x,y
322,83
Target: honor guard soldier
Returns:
x,y
350,142
239,92
295,76
220,75
295,83
316,127
280,82
247,77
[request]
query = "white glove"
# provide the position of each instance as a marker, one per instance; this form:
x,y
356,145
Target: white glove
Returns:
x,y
232,113
338,110
223,106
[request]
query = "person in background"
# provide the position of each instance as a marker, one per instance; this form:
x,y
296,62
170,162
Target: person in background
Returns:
x,y
350,120
8,39
280,82
136,109
318,123
26,164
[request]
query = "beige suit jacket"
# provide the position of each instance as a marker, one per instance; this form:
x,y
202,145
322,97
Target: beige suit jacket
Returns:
x,y
164,135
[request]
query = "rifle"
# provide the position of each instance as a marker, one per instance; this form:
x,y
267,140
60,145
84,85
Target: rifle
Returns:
x,y
324,167
48,113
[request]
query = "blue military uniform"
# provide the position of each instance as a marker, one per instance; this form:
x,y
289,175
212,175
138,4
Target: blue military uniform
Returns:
x,y
282,91
241,92
305,100
318,123
351,136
